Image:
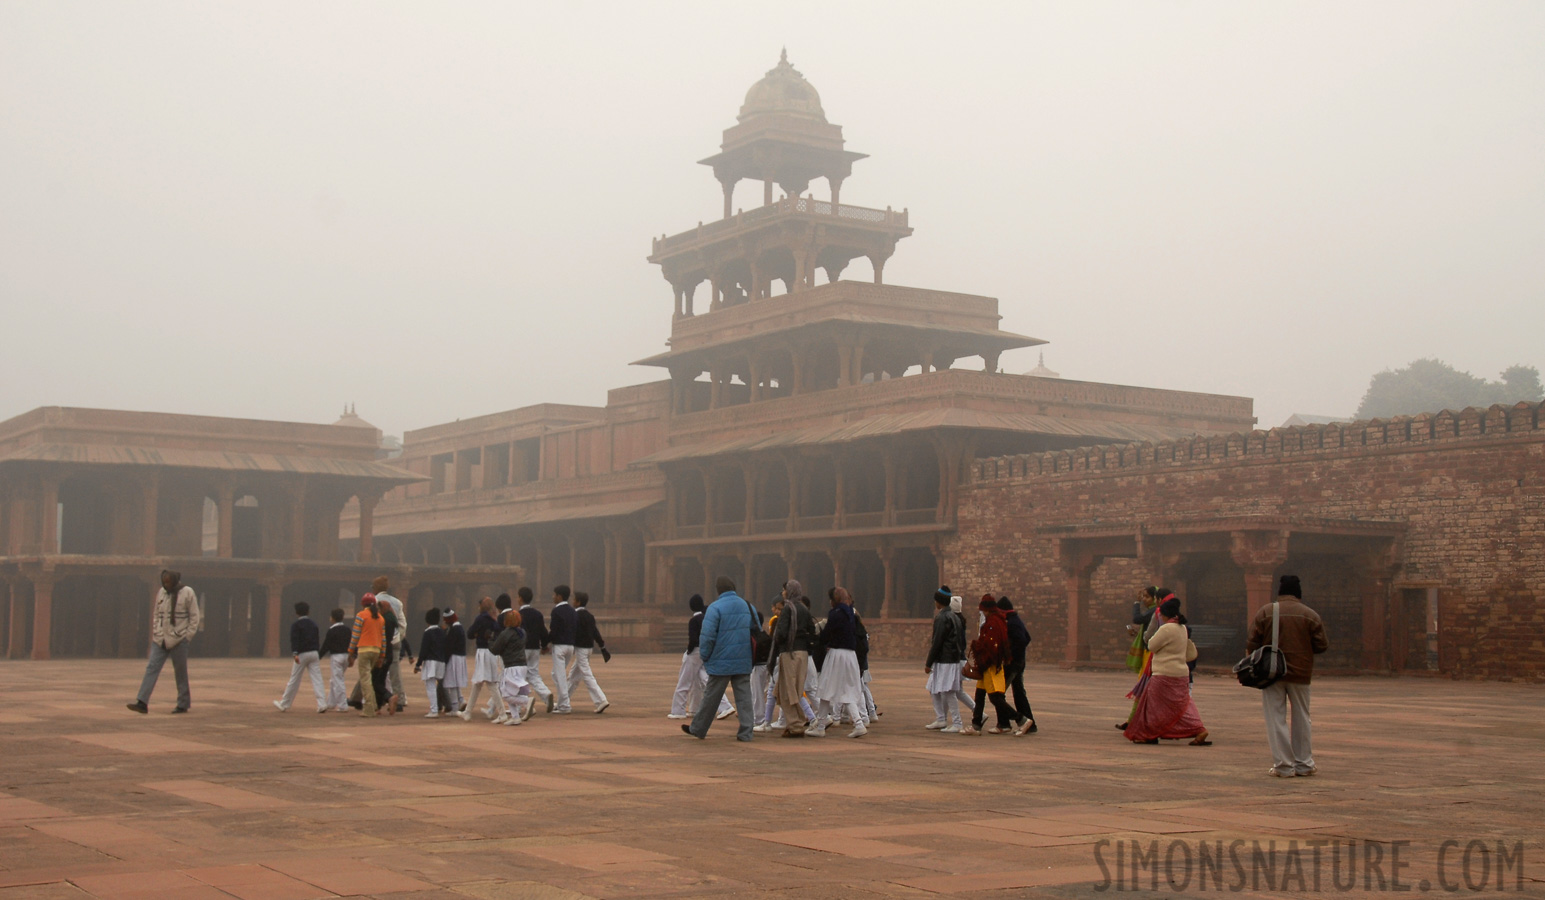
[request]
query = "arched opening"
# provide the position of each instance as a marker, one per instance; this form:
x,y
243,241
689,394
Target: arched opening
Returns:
x,y
247,528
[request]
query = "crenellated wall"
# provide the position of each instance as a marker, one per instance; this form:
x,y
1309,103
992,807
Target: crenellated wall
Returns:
x,y
1468,488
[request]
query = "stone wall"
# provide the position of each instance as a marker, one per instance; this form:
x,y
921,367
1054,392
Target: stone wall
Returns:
x,y
1469,487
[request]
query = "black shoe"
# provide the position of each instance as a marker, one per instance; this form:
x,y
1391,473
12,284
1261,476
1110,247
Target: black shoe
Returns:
x,y
179,709
139,707
687,730
357,704
1122,727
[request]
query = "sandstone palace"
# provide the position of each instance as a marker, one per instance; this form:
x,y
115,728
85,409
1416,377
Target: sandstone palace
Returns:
x,y
834,430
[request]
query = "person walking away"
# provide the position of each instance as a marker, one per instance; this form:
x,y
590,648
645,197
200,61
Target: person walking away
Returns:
x,y
587,638
842,687
176,620
725,645
1144,624
535,626
455,680
957,603
335,649
381,587
434,655
943,666
691,680
1165,709
365,645
1019,642
761,655
561,625
792,640
861,634
485,669
990,652
510,647
395,643
305,648
1300,637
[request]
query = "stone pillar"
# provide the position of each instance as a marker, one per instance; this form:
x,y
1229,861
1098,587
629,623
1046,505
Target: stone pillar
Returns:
x,y
840,511
273,591
715,390
888,459
42,614
858,365
609,567
729,197
767,192
793,469
1259,554
16,633
990,361
226,501
298,522
748,474
836,186
367,524
887,559
836,557
844,365
706,475
1076,570
756,379
50,519
797,359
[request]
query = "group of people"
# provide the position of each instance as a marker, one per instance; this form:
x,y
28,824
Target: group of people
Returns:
x,y
505,650
789,672
1164,658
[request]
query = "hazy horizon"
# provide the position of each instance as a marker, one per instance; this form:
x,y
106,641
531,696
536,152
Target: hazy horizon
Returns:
x,y
439,212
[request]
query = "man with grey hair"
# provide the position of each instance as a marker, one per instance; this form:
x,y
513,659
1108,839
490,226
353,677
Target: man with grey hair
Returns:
x,y
791,641
176,620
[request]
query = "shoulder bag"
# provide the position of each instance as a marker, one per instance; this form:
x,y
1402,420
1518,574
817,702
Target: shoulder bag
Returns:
x,y
1263,666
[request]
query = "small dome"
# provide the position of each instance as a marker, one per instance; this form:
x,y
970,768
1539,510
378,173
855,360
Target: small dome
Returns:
x,y
351,419
783,91
1040,370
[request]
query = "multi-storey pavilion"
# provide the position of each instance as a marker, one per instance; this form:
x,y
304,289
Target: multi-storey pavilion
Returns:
x,y
812,428
94,503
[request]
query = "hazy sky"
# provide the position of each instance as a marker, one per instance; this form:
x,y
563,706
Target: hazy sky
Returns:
x,y
442,210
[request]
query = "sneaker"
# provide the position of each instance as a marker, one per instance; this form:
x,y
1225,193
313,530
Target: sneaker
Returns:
x,y
761,729
489,712
139,707
530,706
549,702
996,730
1312,770
501,719
725,714
936,725
675,716
464,716
561,712
1026,727
969,729
512,720
950,729
816,731
1278,773
602,708
858,731
280,706
432,714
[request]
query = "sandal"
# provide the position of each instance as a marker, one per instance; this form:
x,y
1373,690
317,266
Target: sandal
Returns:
x,y
1201,741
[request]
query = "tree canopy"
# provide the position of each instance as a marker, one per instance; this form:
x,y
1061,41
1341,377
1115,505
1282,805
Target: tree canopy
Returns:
x,y
1430,385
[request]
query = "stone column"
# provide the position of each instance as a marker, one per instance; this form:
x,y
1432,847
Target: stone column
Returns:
x,y
748,475
840,510
367,524
756,379
42,614
715,391
888,459
50,519
16,632
836,557
226,501
609,567
990,361
706,475
573,559
887,558
298,522
844,365
793,469
1076,570
1259,554
273,591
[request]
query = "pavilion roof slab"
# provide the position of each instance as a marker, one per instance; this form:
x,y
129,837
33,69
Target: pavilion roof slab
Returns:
x,y
185,458
965,341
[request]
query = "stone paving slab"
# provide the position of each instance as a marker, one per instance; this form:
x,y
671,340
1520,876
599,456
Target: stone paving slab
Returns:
x,y
238,800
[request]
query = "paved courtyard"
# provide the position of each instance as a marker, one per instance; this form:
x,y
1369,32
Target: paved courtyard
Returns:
x,y
238,800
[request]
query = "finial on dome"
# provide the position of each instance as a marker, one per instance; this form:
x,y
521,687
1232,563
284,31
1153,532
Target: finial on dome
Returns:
x,y
783,56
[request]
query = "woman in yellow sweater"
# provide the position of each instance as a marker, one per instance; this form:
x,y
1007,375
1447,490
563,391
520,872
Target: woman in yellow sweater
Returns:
x,y
1165,708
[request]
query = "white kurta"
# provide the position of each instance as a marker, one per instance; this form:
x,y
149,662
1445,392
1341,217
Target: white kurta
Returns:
x,y
486,667
841,681
944,679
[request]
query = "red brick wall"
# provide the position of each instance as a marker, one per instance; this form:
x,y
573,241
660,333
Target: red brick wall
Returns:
x,y
1470,487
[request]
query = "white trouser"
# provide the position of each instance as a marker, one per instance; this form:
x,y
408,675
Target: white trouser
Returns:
x,y
1291,750
582,672
946,708
431,687
758,691
835,712
689,687
534,674
337,688
563,654
305,662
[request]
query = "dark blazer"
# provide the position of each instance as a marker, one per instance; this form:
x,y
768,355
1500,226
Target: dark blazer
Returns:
x,y
694,630
586,635
304,637
436,645
535,626
456,640
484,629
560,624
337,640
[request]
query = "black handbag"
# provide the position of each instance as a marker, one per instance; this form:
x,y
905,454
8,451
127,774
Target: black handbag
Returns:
x,y
1263,666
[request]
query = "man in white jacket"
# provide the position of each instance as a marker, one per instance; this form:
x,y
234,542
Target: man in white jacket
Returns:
x,y
177,619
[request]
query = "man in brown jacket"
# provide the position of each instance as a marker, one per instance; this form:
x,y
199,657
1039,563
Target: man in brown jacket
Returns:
x,y
1300,635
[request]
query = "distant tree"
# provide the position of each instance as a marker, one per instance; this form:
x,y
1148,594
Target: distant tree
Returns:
x,y
1430,385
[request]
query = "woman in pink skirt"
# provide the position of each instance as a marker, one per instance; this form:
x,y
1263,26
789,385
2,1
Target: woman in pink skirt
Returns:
x,y
1165,709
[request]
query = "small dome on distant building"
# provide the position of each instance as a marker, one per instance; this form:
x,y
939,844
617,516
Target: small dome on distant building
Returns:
x,y
351,419
783,91
1040,370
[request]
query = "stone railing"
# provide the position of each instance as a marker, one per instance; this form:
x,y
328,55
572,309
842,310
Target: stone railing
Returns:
x,y
1400,432
788,206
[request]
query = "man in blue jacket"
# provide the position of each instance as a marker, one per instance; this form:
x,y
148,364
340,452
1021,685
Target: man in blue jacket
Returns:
x,y
725,646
